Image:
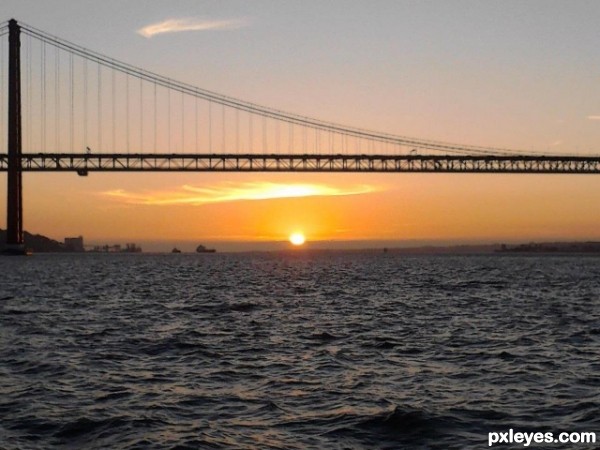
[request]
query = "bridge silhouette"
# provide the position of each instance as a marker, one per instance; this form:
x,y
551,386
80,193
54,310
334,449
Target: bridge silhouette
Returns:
x,y
71,109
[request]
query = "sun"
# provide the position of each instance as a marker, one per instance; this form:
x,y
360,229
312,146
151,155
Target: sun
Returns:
x,y
297,238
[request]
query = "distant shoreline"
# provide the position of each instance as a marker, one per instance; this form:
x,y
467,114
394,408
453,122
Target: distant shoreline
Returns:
x,y
553,247
42,244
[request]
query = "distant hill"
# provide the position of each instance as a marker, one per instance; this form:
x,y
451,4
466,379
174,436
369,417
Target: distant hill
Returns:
x,y
553,247
37,243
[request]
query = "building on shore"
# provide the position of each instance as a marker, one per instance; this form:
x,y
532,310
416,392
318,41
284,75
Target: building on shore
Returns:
x,y
74,244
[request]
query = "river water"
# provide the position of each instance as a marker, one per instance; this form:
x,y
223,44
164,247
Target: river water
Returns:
x,y
295,350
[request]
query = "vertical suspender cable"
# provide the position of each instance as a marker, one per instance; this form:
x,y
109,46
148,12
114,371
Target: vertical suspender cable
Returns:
x,y
304,140
196,120
155,121
29,94
209,126
141,149
72,98
57,96
277,137
320,141
113,88
223,129
3,99
85,104
169,119
264,134
99,125
182,122
251,133
237,130
127,112
43,94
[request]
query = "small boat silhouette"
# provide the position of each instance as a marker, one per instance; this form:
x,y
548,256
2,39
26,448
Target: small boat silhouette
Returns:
x,y
203,249
175,250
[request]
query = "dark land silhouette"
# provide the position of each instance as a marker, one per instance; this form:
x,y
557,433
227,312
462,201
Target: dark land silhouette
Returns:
x,y
43,244
38,243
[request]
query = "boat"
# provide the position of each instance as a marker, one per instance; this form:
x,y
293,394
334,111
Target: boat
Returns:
x,y
175,250
203,249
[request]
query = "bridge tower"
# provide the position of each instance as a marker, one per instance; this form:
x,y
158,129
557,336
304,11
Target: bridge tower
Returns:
x,y
14,210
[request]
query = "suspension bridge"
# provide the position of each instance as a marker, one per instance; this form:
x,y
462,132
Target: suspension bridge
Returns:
x,y
65,108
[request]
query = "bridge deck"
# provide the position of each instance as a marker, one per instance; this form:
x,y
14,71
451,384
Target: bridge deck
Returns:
x,y
120,162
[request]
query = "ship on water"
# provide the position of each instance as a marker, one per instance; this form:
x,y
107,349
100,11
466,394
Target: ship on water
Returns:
x,y
203,249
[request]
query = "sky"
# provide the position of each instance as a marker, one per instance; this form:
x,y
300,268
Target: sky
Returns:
x,y
509,74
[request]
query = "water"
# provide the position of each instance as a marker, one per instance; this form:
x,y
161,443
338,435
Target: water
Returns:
x,y
295,351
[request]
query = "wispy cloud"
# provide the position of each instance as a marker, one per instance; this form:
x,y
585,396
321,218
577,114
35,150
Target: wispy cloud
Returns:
x,y
190,24
593,117
228,192
556,143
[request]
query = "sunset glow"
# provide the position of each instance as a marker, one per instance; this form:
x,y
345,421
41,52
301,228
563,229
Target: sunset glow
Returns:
x,y
229,192
297,239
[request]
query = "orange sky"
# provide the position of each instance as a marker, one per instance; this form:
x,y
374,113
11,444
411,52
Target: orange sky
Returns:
x,y
403,207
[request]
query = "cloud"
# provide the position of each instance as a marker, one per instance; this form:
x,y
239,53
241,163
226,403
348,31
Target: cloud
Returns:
x,y
228,192
179,25
593,117
556,143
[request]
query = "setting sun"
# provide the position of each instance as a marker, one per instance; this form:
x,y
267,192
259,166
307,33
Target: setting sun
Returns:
x,y
297,238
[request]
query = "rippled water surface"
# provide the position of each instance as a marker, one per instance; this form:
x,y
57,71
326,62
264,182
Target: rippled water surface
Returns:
x,y
295,351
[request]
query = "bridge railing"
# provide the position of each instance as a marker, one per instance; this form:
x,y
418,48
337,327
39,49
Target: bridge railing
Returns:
x,y
115,162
